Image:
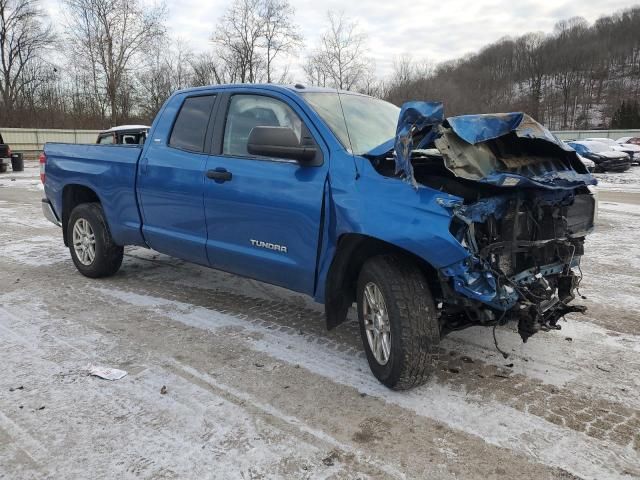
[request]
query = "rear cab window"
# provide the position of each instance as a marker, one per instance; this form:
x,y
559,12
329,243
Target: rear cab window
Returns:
x,y
190,127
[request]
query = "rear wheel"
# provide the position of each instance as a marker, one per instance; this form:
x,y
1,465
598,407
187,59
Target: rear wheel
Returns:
x,y
398,321
92,248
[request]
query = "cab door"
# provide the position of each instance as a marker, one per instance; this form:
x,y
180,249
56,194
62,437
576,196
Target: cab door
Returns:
x,y
171,178
263,214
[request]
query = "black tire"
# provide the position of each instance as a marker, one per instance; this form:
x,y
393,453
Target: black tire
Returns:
x,y
3,167
414,327
108,255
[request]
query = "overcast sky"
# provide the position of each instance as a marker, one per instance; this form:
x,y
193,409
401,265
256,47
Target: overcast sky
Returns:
x,y
431,30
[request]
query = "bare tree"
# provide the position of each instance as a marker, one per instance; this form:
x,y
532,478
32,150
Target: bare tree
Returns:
x,y
238,38
167,67
209,69
340,61
249,37
107,36
24,39
279,34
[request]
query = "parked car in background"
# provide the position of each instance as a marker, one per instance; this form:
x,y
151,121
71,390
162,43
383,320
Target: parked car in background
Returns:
x,y
629,140
124,135
5,155
605,159
590,164
629,148
8,157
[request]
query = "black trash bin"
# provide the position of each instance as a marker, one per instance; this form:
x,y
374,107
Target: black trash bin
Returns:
x,y
17,162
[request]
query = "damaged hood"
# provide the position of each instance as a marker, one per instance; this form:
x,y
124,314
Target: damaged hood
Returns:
x,y
502,149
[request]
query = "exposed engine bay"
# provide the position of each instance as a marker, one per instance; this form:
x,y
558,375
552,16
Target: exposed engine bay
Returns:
x,y
522,207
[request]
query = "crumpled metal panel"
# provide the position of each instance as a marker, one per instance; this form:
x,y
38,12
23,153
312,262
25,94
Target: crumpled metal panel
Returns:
x,y
462,142
415,118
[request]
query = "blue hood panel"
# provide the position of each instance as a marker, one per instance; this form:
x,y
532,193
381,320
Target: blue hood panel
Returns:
x,y
414,117
462,140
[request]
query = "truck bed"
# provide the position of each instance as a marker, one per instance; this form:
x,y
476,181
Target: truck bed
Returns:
x,y
109,170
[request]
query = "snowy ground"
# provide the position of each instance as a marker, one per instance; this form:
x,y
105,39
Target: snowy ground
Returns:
x,y
257,388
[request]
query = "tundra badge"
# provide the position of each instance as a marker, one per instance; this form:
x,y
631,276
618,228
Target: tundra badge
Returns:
x,y
270,246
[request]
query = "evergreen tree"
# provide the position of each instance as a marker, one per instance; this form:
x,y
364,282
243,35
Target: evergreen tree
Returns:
x,y
626,116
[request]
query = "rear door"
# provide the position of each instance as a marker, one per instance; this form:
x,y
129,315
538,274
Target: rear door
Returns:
x,y
263,214
171,178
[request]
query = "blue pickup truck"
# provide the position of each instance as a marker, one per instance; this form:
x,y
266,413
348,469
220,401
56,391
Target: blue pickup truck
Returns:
x,y
429,224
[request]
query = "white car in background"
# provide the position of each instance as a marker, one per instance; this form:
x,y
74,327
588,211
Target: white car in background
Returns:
x,y
629,148
632,140
590,164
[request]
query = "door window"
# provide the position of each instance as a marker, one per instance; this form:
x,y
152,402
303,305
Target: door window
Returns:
x,y
106,140
190,128
249,111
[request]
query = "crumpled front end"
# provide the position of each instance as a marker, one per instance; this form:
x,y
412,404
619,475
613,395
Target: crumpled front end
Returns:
x,y
524,259
521,204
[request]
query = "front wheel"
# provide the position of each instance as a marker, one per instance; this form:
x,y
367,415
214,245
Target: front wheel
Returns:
x,y
93,251
398,321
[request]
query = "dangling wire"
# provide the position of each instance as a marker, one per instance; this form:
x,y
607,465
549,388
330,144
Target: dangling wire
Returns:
x,y
495,340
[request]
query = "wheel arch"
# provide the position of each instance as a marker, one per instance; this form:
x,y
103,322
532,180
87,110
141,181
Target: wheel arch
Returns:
x,y
72,196
352,251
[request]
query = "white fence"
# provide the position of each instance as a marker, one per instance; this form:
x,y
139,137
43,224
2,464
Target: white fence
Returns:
x,y
30,141
579,134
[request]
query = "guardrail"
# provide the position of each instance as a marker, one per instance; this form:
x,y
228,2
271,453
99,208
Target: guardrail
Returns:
x,y
30,141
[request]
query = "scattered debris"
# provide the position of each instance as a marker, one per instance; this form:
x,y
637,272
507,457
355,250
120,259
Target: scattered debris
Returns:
x,y
466,359
569,339
454,369
509,365
106,372
259,365
13,389
163,390
40,408
603,369
362,394
329,460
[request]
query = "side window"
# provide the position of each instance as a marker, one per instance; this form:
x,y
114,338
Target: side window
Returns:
x,y
248,111
105,140
190,127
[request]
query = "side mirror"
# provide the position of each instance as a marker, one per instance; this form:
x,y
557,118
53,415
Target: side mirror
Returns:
x,y
279,142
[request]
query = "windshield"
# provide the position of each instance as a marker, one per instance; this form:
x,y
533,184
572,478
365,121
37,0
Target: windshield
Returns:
x,y
367,122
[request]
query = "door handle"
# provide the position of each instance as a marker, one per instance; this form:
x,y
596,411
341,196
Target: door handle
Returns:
x,y
220,175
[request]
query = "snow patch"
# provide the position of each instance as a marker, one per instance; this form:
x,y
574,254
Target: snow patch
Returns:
x,y
36,251
495,423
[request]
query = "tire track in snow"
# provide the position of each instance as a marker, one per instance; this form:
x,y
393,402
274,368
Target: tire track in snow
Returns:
x,y
494,422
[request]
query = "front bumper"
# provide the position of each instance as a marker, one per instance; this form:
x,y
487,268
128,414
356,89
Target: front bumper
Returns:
x,y
49,214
